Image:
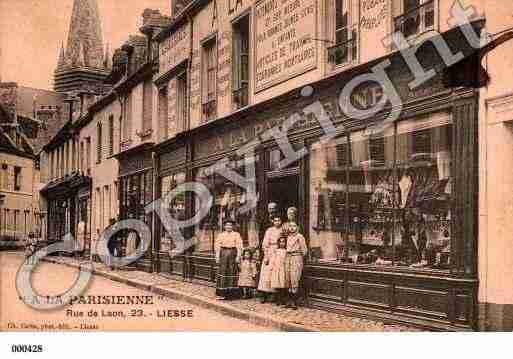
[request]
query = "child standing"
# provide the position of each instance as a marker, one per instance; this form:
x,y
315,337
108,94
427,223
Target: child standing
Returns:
x,y
247,274
279,271
296,252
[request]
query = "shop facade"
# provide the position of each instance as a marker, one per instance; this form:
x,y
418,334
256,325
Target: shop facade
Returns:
x,y
68,205
136,192
390,216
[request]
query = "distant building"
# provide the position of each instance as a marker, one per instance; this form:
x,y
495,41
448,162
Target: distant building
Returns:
x,y
28,119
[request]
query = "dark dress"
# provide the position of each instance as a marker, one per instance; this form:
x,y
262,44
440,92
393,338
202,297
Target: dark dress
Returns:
x,y
228,273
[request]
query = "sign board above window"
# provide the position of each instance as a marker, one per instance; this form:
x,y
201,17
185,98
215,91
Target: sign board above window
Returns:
x,y
174,49
285,46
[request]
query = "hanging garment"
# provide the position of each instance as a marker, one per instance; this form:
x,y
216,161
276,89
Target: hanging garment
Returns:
x,y
405,185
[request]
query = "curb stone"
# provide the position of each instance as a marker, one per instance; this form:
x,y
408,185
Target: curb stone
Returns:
x,y
200,301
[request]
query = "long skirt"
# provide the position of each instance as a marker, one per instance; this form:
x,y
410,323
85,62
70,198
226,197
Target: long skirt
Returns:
x,y
227,275
264,284
294,265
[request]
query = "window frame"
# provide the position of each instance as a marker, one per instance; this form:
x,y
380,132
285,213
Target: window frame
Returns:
x,y
163,110
182,100
17,184
421,8
209,69
99,142
395,166
351,44
111,134
241,83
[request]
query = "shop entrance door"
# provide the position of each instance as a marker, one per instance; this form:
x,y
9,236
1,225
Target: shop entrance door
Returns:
x,y
284,191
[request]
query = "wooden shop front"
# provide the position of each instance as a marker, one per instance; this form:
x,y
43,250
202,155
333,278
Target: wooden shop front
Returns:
x,y
390,216
136,191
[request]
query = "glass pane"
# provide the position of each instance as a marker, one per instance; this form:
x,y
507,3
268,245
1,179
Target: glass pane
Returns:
x,y
229,198
328,198
340,14
204,230
175,207
371,198
424,170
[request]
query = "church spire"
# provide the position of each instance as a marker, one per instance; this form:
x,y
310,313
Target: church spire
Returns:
x,y
81,63
61,62
85,35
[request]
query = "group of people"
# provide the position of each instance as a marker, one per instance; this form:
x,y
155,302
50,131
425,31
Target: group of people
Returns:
x,y
276,276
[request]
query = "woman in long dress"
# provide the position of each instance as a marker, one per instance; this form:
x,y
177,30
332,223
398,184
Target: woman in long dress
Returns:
x,y
269,245
228,249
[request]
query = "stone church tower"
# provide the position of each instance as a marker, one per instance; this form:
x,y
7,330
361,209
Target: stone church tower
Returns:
x,y
81,64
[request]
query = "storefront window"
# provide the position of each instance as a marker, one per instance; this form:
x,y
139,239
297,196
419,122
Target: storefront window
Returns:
x,y
176,206
136,193
384,200
424,172
228,198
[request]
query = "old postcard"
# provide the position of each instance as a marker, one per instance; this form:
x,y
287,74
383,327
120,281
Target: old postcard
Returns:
x,y
256,165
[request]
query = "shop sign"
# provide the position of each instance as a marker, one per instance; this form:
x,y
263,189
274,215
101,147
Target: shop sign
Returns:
x,y
237,137
367,96
174,49
284,40
374,24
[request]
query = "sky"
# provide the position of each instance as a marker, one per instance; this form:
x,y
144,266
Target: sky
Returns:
x,y
31,33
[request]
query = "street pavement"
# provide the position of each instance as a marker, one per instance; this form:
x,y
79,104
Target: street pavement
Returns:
x,y
52,279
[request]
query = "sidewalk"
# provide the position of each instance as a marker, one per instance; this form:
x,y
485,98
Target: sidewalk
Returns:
x,y
303,319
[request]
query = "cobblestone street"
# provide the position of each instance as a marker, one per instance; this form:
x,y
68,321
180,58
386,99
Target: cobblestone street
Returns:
x,y
268,315
51,279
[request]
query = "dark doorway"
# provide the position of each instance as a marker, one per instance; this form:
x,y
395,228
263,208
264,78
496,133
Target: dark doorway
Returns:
x,y
284,190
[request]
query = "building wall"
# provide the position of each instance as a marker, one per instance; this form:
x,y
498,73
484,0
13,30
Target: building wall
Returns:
x,y
310,20
135,135
19,201
496,178
103,173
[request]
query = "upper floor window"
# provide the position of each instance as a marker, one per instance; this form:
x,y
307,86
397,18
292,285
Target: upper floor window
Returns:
x,y
163,113
4,178
127,117
88,155
413,17
345,36
82,155
240,61
147,107
17,178
182,101
111,135
99,143
209,83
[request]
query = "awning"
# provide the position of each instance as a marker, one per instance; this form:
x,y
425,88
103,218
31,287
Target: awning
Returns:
x,y
470,72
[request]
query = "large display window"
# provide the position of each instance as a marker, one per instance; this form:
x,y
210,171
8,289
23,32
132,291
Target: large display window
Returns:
x,y
384,199
176,207
228,200
136,192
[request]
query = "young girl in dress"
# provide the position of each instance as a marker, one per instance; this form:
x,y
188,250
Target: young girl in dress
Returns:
x,y
247,274
279,271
